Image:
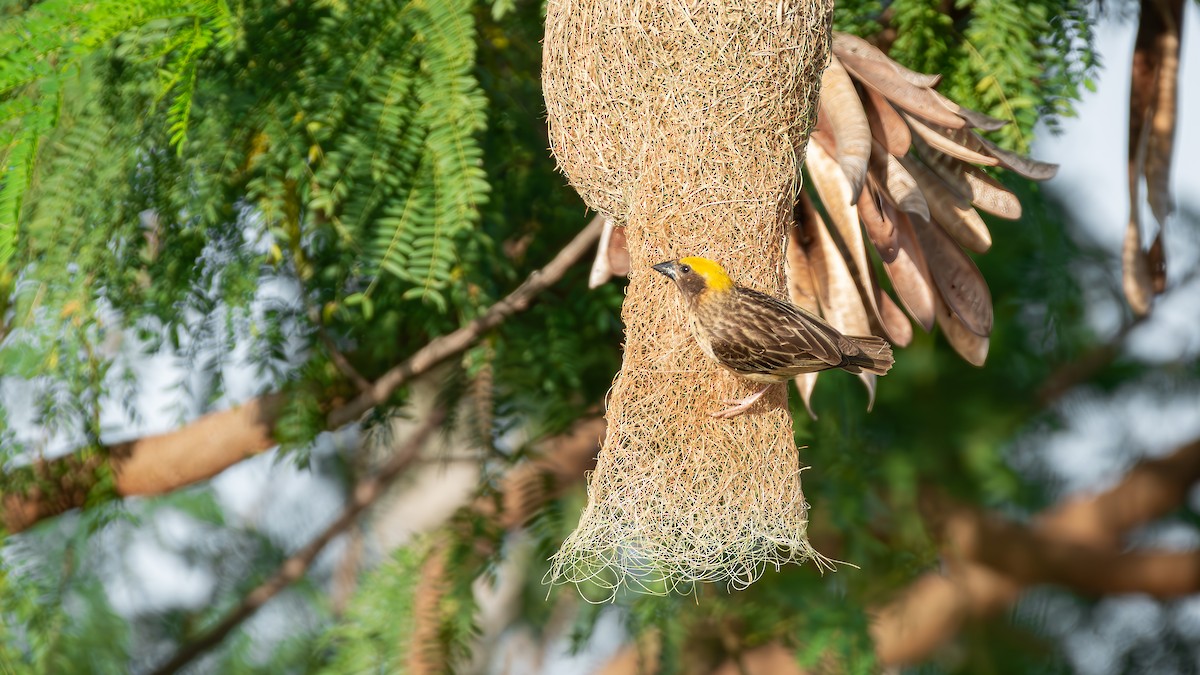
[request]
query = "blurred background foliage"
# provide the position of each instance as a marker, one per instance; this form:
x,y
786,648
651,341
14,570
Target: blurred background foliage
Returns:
x,y
271,182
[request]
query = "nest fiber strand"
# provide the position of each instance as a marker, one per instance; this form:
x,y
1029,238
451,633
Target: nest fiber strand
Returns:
x,y
686,122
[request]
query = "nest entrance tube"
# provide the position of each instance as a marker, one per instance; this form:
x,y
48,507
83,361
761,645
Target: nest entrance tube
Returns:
x,y
686,122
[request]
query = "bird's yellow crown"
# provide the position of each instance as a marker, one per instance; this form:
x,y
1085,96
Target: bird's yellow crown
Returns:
x,y
715,278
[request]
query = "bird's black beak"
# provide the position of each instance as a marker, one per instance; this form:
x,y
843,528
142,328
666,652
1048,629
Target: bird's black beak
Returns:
x,y
667,268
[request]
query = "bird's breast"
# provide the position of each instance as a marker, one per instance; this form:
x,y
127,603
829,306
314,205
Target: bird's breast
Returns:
x,y
702,334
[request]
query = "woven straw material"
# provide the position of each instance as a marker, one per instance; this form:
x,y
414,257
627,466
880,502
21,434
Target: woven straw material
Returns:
x,y
686,122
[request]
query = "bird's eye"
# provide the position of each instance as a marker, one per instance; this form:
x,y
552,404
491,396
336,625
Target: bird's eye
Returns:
x,y
685,269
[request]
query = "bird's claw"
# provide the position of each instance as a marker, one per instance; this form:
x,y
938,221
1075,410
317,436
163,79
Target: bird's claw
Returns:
x,y
736,410
741,405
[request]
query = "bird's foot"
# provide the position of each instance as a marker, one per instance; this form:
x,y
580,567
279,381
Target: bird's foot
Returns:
x,y
741,405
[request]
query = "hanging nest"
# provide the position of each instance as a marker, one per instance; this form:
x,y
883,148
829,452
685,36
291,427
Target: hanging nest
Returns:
x,y
686,124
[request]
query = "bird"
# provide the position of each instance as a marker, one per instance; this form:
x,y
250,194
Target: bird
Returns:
x,y
762,338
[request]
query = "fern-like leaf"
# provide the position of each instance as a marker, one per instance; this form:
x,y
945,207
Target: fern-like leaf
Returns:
x,y
416,234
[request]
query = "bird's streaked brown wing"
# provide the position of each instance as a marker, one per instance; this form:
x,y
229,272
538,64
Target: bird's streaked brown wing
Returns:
x,y
767,336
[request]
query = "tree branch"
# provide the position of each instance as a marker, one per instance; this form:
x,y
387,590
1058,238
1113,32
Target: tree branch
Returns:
x,y
165,462
933,608
1152,489
1030,555
364,494
1101,356
990,561
146,466
339,359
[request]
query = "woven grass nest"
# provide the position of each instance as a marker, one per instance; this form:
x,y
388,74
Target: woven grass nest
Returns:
x,y
686,123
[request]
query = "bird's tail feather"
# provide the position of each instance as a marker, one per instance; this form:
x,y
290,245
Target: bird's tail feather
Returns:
x,y
875,355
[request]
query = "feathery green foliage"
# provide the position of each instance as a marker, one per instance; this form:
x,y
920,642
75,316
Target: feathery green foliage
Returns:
x,y
374,634
56,613
1024,62
168,159
45,51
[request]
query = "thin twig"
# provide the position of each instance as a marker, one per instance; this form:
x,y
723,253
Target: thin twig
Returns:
x,y
1087,366
345,578
365,492
1101,356
443,347
339,359
1061,545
